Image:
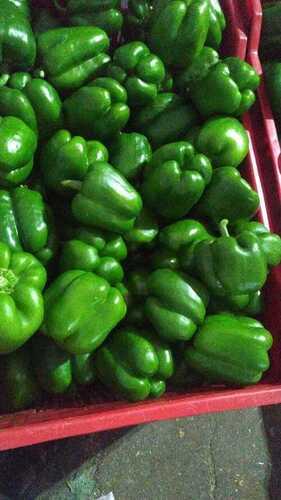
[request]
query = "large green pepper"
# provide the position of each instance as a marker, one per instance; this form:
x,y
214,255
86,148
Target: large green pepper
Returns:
x,y
98,110
230,349
228,196
106,200
135,364
17,42
94,250
231,266
249,304
105,14
270,243
18,386
26,223
197,70
72,56
65,157
178,30
16,162
224,140
56,369
136,19
228,88
181,239
167,119
140,71
176,304
22,6
175,179
217,24
270,44
34,101
81,309
130,153
22,279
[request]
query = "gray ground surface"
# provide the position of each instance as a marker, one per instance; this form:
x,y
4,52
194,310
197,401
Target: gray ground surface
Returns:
x,y
235,455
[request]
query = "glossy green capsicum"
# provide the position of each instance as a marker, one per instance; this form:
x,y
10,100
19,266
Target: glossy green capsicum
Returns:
x,y
135,364
176,304
230,349
175,179
136,19
72,56
140,71
270,243
248,304
22,279
180,239
16,163
17,45
81,309
231,266
178,30
168,119
98,110
228,196
217,24
105,14
130,153
224,140
34,100
199,68
94,250
65,157
228,88
270,43
272,73
19,388
56,369
26,223
22,6
105,199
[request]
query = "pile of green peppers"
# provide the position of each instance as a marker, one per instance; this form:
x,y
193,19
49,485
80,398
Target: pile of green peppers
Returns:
x,y
130,259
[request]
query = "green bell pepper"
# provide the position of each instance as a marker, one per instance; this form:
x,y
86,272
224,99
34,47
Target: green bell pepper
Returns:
x,y
43,19
217,24
18,46
107,244
176,304
180,239
26,223
135,364
98,110
81,309
22,6
99,203
224,140
65,157
175,179
270,43
228,196
104,14
18,386
139,71
270,243
144,231
178,30
22,279
130,153
198,69
231,266
228,88
56,369
166,120
16,162
72,56
33,100
136,19
248,304
230,349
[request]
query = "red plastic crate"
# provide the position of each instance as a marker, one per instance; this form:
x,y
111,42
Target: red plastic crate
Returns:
x,y
35,426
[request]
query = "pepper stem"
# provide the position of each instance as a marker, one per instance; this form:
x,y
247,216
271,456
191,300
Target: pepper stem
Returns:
x,y
71,184
223,228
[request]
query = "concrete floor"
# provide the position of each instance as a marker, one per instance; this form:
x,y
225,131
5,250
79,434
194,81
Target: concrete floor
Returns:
x,y
227,456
